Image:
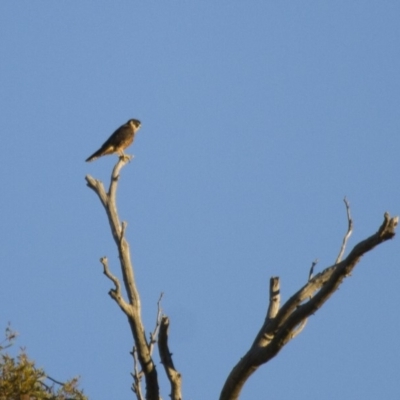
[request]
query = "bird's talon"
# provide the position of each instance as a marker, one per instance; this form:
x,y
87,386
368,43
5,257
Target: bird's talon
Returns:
x,y
125,157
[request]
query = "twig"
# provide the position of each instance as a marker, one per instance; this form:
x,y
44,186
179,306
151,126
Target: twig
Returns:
x,y
109,275
55,381
348,233
154,334
124,225
314,263
10,336
137,376
115,293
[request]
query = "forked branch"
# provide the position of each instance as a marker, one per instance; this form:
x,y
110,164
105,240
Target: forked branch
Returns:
x,y
130,307
290,319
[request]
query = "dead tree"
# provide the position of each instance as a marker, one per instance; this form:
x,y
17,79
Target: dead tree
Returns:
x,y
281,324
143,348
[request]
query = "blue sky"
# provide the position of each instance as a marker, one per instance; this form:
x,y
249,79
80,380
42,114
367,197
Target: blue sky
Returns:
x,y
257,119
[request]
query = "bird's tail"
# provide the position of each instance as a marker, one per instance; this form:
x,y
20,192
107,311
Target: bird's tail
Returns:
x,y
93,156
96,155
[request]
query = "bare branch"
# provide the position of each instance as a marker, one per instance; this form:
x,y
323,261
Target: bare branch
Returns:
x,y
55,381
137,376
109,275
112,191
98,187
290,319
132,308
154,334
173,375
348,233
10,336
298,329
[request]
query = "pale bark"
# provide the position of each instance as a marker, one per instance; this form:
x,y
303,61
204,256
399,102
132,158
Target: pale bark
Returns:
x,y
281,324
131,307
173,375
278,330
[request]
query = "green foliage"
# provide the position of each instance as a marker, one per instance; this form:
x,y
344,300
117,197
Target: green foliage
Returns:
x,y
20,379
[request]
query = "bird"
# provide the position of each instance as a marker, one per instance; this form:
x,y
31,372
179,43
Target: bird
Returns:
x,y
118,141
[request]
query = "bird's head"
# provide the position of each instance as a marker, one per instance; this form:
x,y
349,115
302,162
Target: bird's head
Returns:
x,y
134,123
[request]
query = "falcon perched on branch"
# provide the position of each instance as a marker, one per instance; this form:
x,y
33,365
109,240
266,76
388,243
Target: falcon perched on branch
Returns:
x,y
119,140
